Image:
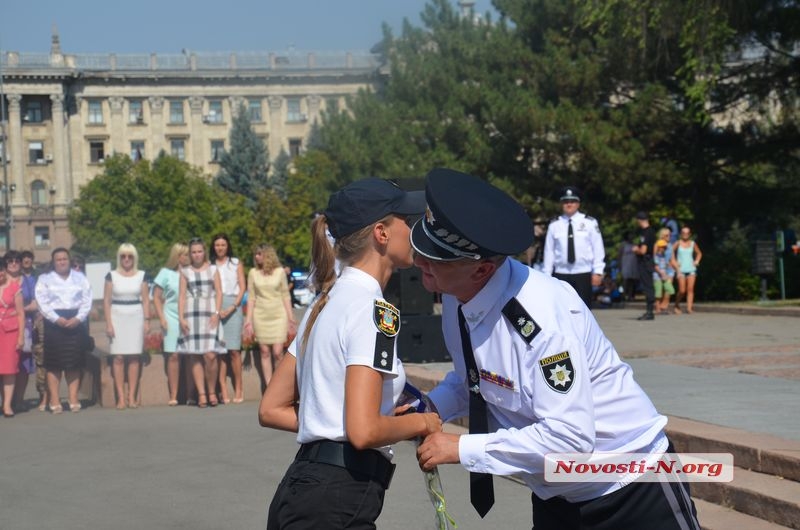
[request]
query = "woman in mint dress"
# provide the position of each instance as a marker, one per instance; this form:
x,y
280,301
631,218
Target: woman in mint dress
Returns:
x,y
165,298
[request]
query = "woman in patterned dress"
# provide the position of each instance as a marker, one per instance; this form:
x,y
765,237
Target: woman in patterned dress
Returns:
x,y
126,305
12,324
165,300
199,303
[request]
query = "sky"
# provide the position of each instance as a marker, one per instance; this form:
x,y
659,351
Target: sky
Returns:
x,y
169,26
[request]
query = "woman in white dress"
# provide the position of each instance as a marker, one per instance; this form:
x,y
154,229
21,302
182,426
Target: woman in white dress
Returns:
x,y
231,277
126,306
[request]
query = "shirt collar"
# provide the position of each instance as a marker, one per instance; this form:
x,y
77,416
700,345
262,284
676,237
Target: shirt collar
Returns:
x,y
359,277
576,216
481,304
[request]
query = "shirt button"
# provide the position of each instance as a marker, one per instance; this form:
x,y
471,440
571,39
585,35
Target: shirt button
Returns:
x,y
472,462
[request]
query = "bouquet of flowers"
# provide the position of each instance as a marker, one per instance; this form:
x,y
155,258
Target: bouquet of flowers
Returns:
x,y
153,343
433,482
249,345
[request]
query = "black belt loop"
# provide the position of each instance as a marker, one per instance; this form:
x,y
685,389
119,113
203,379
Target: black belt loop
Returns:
x,y
342,454
126,302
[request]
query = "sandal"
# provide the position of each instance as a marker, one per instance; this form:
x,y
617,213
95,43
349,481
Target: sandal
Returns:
x,y
56,409
202,401
172,402
212,400
75,407
238,400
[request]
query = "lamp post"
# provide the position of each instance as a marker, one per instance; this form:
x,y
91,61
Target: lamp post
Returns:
x,y
3,151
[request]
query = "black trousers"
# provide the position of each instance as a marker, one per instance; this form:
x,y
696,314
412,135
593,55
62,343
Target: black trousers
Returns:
x,y
582,283
313,495
646,269
637,506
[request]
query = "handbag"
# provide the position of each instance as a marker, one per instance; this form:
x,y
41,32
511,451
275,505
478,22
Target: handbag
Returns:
x,y
9,324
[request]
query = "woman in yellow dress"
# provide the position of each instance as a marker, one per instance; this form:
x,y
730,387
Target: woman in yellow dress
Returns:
x,y
269,309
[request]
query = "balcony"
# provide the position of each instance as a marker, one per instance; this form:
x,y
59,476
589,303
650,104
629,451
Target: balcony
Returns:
x,y
41,211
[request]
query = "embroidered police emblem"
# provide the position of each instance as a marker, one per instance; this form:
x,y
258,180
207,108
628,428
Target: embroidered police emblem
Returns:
x,y
558,371
521,320
386,317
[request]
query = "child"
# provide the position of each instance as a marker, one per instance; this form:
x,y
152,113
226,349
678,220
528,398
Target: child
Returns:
x,y
662,277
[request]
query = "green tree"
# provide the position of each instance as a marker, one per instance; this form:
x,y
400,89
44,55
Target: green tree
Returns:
x,y
245,164
685,106
152,206
285,224
280,174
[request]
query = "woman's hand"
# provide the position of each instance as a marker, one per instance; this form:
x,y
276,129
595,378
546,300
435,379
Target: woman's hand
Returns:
x,y
21,340
110,331
213,322
433,423
164,324
184,326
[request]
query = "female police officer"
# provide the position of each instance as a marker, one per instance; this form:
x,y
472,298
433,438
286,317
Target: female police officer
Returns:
x,y
338,387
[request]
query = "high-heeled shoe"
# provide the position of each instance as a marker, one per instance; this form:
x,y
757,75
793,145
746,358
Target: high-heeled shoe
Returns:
x,y
75,407
202,401
56,409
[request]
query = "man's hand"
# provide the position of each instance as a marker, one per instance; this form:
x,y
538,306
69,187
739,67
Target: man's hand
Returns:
x,y
438,448
597,280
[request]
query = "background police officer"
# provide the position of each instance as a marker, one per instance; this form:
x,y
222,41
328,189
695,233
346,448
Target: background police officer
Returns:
x,y
532,369
643,248
573,249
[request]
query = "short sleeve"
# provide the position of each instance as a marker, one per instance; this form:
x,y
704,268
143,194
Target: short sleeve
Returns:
x,y
108,276
366,345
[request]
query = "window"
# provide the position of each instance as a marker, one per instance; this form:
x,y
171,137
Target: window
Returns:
x,y
178,149
254,106
135,112
295,144
332,105
217,150
97,152
95,112
176,112
293,110
41,236
137,150
38,193
214,112
33,111
3,153
36,153
3,241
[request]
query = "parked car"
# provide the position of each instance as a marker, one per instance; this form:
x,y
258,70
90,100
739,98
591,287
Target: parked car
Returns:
x,y
303,290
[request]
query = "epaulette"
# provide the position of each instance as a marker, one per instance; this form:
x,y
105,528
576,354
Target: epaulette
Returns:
x,y
387,319
521,320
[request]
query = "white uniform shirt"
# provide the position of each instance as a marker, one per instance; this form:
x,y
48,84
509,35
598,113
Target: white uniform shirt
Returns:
x,y
54,292
590,254
344,334
603,410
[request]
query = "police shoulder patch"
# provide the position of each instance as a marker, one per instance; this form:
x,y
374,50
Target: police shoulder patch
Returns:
x,y
386,318
558,371
521,320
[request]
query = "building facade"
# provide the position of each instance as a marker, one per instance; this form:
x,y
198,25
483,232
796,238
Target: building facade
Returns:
x,y
66,113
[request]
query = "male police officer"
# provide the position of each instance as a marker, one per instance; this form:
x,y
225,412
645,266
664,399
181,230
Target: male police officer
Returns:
x,y
533,370
573,248
643,248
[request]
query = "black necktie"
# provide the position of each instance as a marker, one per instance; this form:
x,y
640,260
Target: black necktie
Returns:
x,y
570,244
481,489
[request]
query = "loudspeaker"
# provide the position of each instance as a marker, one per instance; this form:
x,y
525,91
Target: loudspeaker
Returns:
x,y
414,299
420,340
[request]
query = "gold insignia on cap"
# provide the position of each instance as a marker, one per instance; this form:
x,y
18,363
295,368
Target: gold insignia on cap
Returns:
x,y
429,216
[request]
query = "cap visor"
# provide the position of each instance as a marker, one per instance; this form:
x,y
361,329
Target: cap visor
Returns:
x,y
427,248
412,203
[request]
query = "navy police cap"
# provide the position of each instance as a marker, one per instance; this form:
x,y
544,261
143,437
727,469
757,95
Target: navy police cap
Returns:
x,y
367,201
469,218
570,193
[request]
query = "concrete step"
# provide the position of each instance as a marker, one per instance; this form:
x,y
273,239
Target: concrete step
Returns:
x,y
715,517
754,451
766,497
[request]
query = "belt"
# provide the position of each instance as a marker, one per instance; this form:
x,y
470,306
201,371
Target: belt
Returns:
x,y
342,454
126,302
